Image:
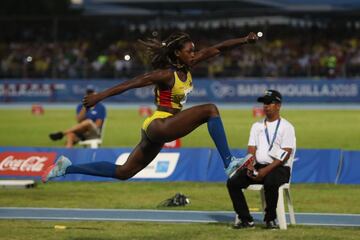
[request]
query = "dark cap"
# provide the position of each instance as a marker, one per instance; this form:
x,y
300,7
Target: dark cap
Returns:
x,y
90,89
270,96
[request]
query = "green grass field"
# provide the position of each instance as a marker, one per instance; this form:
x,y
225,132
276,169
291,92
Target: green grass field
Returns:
x,y
34,230
314,129
147,195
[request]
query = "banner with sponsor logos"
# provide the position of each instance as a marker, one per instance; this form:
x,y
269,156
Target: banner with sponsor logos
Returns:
x,y
316,166
349,168
169,165
27,163
309,166
218,91
185,164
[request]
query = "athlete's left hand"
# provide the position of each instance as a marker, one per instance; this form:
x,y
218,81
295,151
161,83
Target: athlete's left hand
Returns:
x,y
251,37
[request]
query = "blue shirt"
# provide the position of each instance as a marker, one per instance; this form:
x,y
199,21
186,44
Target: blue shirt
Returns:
x,y
94,113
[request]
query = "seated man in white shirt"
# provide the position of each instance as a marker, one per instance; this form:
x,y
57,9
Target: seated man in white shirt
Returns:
x,y
272,142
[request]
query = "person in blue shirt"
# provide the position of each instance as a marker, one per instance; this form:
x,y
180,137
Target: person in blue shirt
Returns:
x,y
90,122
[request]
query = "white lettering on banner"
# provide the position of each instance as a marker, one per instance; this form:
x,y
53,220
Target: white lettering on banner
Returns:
x,y
80,89
300,90
61,86
26,90
222,90
30,164
199,92
161,167
245,90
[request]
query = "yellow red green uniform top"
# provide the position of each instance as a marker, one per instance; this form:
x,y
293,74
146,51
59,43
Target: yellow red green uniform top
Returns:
x,y
176,96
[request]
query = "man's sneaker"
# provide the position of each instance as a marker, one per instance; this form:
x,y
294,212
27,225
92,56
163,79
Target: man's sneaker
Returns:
x,y
239,224
57,169
56,136
271,225
237,164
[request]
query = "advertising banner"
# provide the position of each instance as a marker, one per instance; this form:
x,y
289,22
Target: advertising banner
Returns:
x,y
205,90
169,165
350,168
316,166
25,163
184,164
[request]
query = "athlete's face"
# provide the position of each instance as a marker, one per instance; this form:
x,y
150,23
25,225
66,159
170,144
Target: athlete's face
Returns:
x,y
187,53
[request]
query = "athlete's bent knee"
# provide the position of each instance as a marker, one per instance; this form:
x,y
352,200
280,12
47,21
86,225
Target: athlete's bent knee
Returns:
x,y
124,173
211,110
121,175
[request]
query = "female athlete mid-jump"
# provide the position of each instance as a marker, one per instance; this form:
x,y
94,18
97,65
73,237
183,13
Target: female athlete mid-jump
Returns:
x,y
172,60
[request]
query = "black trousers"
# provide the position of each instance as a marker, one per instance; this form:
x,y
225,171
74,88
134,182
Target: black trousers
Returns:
x,y
271,182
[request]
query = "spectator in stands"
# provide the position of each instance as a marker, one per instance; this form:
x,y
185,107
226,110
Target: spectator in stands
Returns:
x,y
272,142
90,122
281,54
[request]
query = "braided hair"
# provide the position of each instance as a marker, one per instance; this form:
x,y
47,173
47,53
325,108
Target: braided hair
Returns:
x,y
162,54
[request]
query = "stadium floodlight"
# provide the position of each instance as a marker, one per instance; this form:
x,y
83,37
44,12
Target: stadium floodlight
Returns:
x,y
77,2
127,57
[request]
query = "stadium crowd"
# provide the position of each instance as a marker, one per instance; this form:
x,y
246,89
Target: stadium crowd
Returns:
x,y
298,52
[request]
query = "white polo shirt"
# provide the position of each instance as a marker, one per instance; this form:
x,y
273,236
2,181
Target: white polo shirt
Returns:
x,y
285,138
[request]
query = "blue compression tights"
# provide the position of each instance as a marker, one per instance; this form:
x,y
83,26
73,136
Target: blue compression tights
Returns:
x,y
102,169
217,133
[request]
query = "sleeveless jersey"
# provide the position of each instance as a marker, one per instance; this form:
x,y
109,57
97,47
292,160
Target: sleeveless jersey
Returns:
x,y
177,95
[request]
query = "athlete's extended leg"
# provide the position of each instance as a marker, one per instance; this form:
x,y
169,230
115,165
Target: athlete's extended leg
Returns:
x,y
139,158
184,122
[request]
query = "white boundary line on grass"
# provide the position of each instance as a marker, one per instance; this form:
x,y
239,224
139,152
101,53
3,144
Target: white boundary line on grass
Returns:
x,y
158,220
112,219
116,210
161,210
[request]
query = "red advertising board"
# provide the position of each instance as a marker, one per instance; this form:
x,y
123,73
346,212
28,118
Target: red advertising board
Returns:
x,y
25,163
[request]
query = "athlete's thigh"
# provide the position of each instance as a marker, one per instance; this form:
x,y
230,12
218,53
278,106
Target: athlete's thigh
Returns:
x,y
181,124
141,156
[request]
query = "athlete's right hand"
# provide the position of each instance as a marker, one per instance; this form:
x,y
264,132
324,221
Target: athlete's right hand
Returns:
x,y
90,100
251,37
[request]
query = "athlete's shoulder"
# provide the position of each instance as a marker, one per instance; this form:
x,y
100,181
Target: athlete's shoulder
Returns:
x,y
161,73
158,77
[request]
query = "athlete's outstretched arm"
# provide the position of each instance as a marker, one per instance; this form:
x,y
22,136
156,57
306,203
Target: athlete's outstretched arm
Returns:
x,y
152,78
215,50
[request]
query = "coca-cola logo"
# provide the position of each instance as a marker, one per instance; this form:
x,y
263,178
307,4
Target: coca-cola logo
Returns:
x,y
25,163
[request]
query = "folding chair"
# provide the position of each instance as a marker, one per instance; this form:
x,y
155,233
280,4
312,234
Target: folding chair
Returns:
x,y
280,209
95,142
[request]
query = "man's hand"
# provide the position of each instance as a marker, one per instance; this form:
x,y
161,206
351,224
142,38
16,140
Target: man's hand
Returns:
x,y
261,173
90,100
250,170
251,37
